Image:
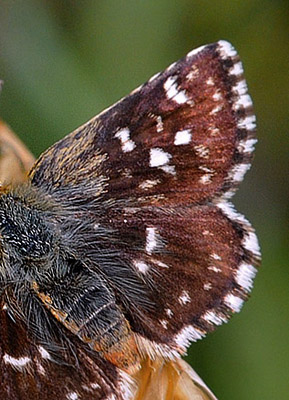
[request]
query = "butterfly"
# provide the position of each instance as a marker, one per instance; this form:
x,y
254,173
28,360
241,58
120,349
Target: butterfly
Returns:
x,y
123,245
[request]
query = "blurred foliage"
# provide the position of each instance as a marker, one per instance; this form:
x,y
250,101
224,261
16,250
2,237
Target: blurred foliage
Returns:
x,y
64,61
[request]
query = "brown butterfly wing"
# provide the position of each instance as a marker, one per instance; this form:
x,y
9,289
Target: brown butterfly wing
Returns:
x,y
187,136
162,163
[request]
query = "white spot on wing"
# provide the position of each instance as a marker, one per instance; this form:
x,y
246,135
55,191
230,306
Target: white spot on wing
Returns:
x,y
233,302
216,109
213,318
184,298
245,275
18,363
181,97
171,88
238,171
213,130
194,73
160,125
141,266
240,88
216,256
72,396
247,145
237,69
217,96
44,353
226,49
250,242
206,179
196,51
126,172
202,151
206,169
207,286
151,240
149,183
95,385
210,81
169,169
164,323
183,137
169,312
161,264
243,101
127,145
214,268
158,157
40,368
187,335
248,122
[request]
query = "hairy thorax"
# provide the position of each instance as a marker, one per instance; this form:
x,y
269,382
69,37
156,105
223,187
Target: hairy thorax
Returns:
x,y
42,265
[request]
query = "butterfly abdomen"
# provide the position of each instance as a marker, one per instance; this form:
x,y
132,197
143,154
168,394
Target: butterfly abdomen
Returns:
x,y
92,314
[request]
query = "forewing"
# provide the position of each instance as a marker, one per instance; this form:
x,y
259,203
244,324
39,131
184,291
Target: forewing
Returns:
x,y
185,136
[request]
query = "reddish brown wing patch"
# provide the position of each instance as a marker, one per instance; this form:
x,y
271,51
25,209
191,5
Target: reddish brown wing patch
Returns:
x,y
198,266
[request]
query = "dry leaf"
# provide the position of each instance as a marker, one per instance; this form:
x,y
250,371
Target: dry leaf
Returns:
x,y
15,159
169,380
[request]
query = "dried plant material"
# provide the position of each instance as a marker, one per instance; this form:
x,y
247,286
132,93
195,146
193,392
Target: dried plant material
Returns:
x,y
169,380
15,159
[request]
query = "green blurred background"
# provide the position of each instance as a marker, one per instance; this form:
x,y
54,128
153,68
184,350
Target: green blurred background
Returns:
x,y
64,61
